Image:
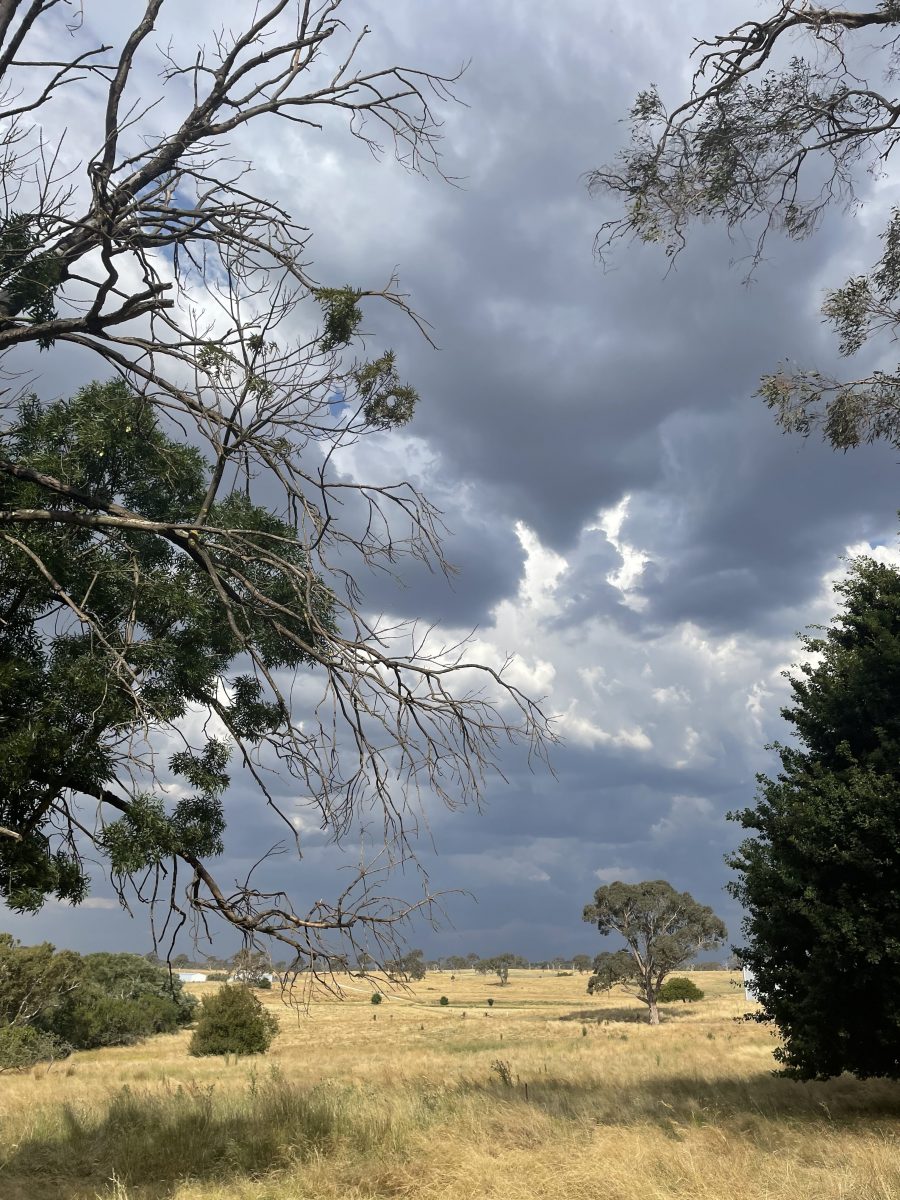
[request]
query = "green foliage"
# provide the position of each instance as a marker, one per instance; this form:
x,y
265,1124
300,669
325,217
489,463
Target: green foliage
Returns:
x,y
24,1046
217,977
662,929
490,1001
387,402
232,1021
29,278
340,308
500,966
89,1001
34,981
679,987
409,966
818,877
443,1001
120,999
377,997
611,969
770,136
68,699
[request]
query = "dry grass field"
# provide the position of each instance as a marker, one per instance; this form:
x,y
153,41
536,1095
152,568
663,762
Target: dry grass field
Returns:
x,y
550,1093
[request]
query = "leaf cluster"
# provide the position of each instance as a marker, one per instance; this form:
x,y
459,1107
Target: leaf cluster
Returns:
x,y
152,643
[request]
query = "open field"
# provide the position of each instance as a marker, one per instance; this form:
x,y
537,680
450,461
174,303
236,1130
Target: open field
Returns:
x,y
408,1100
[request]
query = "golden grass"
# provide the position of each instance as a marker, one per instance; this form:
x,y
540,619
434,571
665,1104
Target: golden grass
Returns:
x,y
356,1102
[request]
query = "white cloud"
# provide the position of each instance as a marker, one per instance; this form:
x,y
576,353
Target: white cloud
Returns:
x,y
685,813
617,874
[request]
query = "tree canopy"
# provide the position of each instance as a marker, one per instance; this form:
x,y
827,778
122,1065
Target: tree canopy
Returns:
x,y
500,965
53,1001
818,877
182,565
786,113
662,930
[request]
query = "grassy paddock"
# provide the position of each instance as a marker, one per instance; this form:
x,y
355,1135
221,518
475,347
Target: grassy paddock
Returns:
x,y
548,1093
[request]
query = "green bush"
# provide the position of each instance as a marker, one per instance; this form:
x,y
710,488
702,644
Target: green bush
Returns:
x,y
23,1046
232,1021
444,1000
679,987
377,997
120,999
490,1001
263,983
217,977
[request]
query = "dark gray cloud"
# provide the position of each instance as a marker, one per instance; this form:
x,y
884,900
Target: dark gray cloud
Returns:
x,y
564,393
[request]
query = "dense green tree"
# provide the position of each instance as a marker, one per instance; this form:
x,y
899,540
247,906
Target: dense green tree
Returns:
x,y
679,987
787,111
818,878
232,1021
153,643
181,561
662,929
120,998
81,1002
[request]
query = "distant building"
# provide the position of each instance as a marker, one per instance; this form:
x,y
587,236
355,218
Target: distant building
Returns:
x,y
190,976
749,984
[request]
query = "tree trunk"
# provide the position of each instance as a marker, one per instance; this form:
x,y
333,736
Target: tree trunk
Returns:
x,y
654,1010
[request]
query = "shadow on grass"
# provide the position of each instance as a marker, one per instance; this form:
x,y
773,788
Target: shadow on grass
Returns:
x,y
675,1102
155,1141
617,1016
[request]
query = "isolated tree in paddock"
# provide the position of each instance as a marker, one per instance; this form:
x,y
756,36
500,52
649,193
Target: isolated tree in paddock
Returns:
x,y
662,930
786,113
181,562
408,966
818,878
581,963
679,987
500,965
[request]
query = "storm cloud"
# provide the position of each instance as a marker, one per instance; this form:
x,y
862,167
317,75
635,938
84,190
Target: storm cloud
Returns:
x,y
626,519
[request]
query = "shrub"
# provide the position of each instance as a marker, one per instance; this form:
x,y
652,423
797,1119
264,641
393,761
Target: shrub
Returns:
x,y
120,999
217,977
263,983
377,997
490,1001
232,1021
443,1000
23,1046
679,987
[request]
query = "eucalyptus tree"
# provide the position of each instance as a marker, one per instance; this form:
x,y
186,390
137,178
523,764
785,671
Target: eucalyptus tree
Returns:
x,y
181,561
662,930
787,112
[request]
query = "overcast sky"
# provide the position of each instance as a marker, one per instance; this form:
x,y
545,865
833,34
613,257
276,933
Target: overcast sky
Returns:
x,y
626,518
